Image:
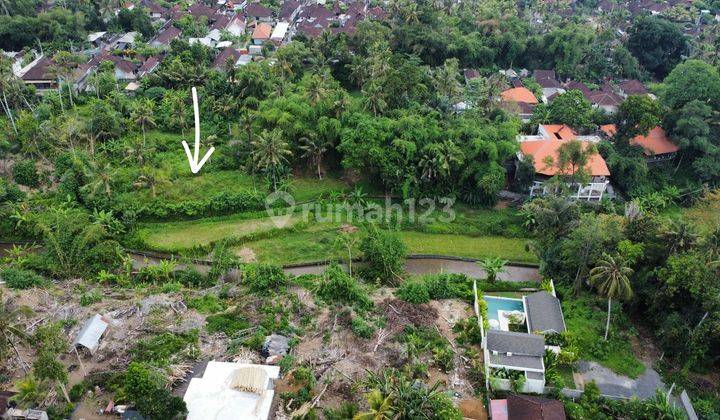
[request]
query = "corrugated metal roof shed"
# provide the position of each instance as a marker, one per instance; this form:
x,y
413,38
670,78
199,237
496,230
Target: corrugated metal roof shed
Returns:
x,y
90,333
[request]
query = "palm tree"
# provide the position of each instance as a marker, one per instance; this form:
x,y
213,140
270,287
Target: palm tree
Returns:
x,y
270,151
493,267
151,178
100,175
313,150
380,407
611,277
315,89
11,330
680,236
137,149
143,114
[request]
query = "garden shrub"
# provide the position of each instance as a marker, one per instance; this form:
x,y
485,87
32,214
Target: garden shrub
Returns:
x,y
9,192
146,389
435,286
24,173
228,323
206,304
335,285
87,299
17,278
190,277
414,291
264,278
361,327
163,348
384,253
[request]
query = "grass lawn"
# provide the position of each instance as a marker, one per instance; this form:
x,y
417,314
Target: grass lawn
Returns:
x,y
178,236
566,373
317,243
512,249
585,320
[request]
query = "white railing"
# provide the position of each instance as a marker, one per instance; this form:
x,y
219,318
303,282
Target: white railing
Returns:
x,y
589,192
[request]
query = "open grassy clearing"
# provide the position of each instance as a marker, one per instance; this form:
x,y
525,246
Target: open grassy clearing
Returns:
x,y
512,249
585,317
318,243
178,236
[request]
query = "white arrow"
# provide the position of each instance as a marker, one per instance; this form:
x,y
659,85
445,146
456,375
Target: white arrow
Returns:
x,y
193,158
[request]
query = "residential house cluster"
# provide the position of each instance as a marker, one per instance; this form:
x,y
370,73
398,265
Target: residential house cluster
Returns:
x,y
229,25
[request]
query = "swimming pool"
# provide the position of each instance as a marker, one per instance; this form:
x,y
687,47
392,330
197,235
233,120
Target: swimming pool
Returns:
x,y
495,304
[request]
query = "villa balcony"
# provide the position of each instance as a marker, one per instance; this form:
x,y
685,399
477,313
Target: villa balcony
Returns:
x,y
593,191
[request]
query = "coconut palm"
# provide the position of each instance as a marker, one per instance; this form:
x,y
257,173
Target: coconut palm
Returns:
x,y
269,152
151,178
143,114
493,267
380,407
100,176
11,330
313,149
611,277
137,150
680,236
315,89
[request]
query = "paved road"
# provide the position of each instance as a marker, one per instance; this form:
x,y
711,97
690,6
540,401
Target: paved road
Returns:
x,y
610,383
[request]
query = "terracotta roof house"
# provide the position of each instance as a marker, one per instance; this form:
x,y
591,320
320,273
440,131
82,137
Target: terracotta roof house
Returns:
x,y
578,86
165,36
378,13
149,66
521,94
261,33
526,407
632,87
258,12
545,149
519,100
656,145
124,69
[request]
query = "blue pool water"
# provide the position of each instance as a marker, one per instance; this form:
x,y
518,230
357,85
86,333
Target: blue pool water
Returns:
x,y
495,304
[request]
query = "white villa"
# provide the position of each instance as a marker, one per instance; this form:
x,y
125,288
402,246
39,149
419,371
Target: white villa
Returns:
x,y
544,148
508,355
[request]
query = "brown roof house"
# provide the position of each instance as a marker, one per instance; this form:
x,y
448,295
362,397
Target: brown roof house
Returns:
x,y
258,12
546,79
162,39
39,74
527,407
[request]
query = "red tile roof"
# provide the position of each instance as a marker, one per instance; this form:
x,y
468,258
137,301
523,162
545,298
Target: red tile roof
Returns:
x,y
541,150
656,142
519,95
262,31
